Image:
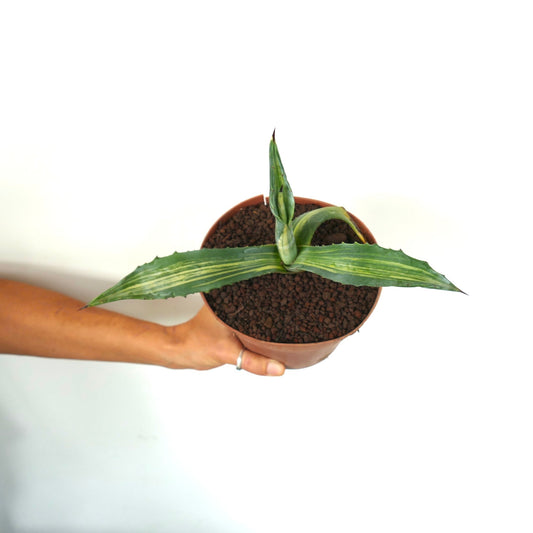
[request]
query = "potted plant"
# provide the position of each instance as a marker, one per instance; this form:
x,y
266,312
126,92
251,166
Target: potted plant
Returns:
x,y
347,260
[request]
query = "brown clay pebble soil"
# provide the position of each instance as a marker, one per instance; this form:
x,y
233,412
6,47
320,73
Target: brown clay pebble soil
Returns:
x,y
289,308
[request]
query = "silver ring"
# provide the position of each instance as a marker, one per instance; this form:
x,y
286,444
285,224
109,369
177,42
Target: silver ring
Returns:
x,y
239,360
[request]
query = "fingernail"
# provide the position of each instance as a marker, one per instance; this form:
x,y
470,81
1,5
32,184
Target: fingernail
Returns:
x,y
275,368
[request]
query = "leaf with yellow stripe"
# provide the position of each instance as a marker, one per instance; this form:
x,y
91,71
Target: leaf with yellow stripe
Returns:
x,y
281,201
369,265
305,225
181,274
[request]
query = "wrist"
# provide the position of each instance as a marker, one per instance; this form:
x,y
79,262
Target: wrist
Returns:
x,y
168,350
142,342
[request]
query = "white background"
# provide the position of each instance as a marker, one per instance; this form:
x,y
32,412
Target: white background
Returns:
x,y
127,128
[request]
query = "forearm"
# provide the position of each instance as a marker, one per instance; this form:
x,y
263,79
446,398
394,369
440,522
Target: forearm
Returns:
x,y
36,321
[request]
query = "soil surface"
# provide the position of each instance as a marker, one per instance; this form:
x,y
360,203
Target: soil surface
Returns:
x,y
288,308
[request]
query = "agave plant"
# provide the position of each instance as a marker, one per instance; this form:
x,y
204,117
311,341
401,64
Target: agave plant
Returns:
x,y
359,263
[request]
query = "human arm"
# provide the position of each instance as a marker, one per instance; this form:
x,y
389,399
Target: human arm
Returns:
x,y
37,321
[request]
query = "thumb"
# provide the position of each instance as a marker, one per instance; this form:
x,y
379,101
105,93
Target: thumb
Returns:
x,y
260,365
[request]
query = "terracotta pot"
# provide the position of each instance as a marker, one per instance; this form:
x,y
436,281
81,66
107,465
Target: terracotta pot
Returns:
x,y
292,355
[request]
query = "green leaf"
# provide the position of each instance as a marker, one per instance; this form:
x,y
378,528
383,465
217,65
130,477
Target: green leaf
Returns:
x,y
369,265
281,199
281,203
286,244
186,273
306,224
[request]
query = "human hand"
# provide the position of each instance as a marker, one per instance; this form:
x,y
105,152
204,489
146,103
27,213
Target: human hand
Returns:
x,y
204,343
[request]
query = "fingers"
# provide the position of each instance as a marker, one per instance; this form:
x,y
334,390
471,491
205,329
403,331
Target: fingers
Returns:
x,y
260,365
218,345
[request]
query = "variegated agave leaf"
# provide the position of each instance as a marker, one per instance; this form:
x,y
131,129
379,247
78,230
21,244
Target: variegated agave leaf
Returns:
x,y
369,265
181,274
306,224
